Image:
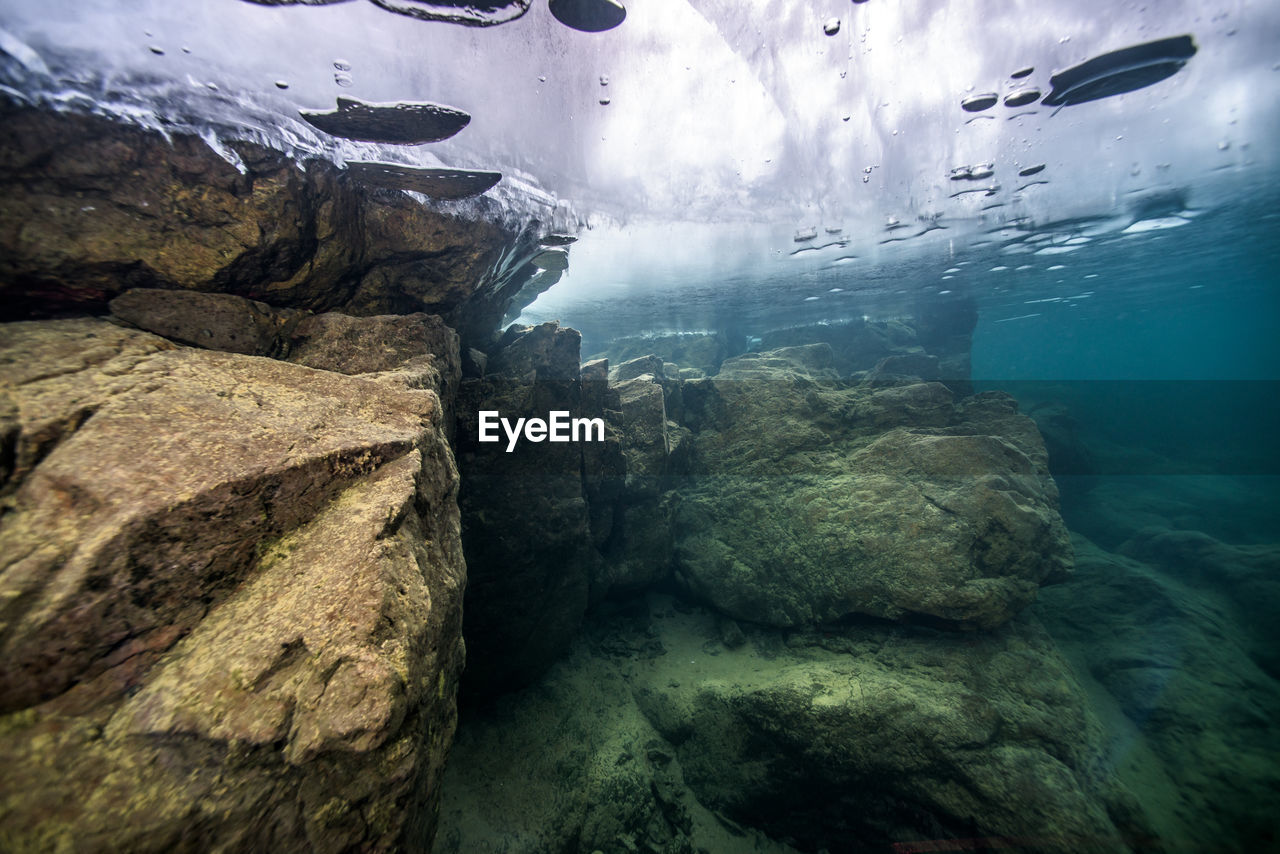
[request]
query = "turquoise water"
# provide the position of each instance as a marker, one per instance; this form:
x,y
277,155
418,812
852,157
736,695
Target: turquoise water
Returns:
x,y
1150,360
692,640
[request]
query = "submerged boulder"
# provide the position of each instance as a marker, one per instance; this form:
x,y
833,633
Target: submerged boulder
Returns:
x,y
876,738
212,321
417,344
677,730
638,552
231,598
1185,647
95,207
811,500
703,351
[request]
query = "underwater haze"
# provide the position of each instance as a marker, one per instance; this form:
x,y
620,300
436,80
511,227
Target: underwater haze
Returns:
x,y
934,350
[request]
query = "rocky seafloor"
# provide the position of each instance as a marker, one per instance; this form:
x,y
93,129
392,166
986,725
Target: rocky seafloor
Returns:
x,y
818,596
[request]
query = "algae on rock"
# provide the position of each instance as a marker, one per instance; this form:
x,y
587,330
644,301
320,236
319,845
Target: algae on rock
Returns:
x,y
810,499
232,598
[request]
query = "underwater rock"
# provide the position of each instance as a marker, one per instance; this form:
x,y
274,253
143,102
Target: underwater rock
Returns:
x,y
644,433
1120,71
551,260
691,350
366,345
855,346
474,362
810,500
944,328
632,368
541,282
116,207
213,321
600,778
397,122
1243,575
666,376
418,350
651,450
418,343
854,739
526,529
232,593
894,370
1069,453
638,555
438,183
1188,659
603,466
688,732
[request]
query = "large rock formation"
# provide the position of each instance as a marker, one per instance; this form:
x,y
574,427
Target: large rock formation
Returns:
x,y
856,738
94,207
525,522
231,594
699,735
1177,635
420,346
811,500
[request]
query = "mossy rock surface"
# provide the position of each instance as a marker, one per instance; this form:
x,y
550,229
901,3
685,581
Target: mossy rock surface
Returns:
x,y
232,597
811,499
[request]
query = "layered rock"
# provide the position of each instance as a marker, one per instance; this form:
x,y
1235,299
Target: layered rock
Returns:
x,y
418,344
811,500
232,596
859,738
698,738
696,351
638,552
525,521
94,207
937,331
932,344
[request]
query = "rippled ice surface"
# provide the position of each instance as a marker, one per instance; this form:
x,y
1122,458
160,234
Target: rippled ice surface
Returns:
x,y
714,111
1161,288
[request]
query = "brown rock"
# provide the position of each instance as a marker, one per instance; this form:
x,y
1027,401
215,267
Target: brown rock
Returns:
x,y
415,343
93,208
811,500
232,592
418,344
213,321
